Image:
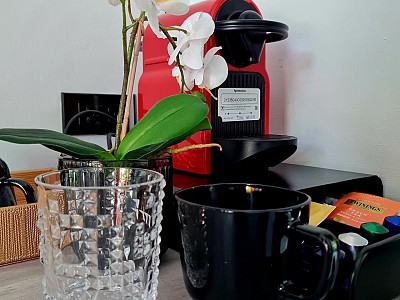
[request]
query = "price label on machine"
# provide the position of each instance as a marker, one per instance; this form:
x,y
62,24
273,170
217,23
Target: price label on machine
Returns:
x,y
239,104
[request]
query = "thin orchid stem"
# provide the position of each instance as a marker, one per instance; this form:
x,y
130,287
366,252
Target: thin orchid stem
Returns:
x,y
124,82
130,12
169,37
171,28
132,41
197,146
178,61
127,63
131,25
133,35
125,122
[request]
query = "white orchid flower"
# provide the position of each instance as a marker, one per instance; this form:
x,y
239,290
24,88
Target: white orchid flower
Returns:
x,y
212,74
215,70
177,36
153,7
188,75
199,27
114,2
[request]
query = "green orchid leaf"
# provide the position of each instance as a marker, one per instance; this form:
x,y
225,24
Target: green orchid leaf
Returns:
x,y
149,150
55,141
200,96
169,121
145,151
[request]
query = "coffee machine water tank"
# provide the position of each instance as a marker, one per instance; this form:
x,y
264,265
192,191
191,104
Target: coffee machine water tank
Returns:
x,y
240,116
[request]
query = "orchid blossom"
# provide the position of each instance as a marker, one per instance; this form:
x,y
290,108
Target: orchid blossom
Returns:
x,y
214,71
207,71
198,27
212,74
153,7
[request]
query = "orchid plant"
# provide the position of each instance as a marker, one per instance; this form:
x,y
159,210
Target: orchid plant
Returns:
x,y
172,119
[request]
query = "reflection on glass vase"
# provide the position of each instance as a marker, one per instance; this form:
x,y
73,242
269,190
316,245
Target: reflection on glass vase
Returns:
x,y
101,230
162,164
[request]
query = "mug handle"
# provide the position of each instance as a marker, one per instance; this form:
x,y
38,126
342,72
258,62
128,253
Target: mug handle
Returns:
x,y
329,246
25,187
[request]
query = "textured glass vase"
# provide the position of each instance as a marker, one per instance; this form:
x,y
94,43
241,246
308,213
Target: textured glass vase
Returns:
x,y
101,230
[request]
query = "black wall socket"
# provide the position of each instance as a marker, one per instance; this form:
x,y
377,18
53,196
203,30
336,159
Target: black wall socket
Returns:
x,y
89,113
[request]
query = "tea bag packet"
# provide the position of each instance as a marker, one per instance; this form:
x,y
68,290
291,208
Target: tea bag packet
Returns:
x,y
319,212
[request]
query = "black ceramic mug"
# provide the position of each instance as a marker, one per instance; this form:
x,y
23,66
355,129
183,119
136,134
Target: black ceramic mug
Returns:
x,y
245,241
6,182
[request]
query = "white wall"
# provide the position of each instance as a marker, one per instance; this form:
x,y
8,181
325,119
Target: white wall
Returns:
x,y
49,47
334,81
335,84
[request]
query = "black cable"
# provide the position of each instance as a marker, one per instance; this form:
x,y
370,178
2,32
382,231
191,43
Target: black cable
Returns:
x,y
80,114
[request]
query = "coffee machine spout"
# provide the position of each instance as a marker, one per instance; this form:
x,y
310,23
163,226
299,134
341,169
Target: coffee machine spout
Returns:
x,y
247,152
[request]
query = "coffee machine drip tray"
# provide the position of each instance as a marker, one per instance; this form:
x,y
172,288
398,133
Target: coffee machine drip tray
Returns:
x,y
253,151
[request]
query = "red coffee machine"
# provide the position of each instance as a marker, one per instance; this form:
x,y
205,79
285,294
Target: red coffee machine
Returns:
x,y
240,116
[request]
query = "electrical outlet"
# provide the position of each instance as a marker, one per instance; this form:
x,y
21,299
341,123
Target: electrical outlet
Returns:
x,y
89,113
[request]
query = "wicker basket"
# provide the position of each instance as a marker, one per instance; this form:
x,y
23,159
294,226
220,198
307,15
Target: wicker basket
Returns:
x,y
19,235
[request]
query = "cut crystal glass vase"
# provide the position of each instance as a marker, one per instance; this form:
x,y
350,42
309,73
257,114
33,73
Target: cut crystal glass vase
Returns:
x,y
101,229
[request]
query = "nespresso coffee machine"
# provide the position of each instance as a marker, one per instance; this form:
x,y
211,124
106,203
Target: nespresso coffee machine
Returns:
x,y
240,116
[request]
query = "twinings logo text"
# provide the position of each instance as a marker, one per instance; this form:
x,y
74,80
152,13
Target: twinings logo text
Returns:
x,y
365,206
